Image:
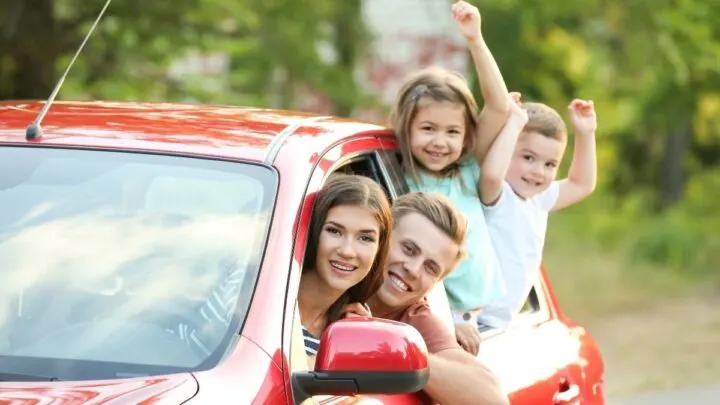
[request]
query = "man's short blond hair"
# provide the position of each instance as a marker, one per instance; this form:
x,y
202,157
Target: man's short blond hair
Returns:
x,y
439,210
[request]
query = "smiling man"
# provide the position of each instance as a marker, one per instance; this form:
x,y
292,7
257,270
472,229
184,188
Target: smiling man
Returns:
x,y
426,245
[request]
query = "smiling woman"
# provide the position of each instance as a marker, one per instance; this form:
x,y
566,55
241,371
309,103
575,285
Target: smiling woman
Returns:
x,y
109,259
347,249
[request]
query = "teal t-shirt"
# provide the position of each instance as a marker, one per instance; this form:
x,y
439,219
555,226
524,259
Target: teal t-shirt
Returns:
x,y
477,280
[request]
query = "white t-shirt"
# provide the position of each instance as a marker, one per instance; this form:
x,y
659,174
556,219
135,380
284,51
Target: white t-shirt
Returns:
x,y
517,231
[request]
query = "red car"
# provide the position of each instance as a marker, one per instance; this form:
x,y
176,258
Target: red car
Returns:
x,y
121,222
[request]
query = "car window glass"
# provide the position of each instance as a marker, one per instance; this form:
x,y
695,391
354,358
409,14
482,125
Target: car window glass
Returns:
x,y
531,303
183,193
365,165
119,263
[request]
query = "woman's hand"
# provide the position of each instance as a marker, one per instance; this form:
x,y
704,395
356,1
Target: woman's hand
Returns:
x,y
356,310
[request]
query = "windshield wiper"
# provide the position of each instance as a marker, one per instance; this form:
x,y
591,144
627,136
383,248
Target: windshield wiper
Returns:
x,y
17,377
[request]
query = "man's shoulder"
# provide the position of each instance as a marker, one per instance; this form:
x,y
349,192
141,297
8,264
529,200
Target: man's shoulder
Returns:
x,y
436,334
419,315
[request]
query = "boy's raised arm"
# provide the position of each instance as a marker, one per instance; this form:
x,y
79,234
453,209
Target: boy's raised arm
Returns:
x,y
582,176
497,160
494,91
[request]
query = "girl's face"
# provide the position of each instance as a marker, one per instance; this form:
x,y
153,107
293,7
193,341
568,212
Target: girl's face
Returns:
x,y
347,246
437,134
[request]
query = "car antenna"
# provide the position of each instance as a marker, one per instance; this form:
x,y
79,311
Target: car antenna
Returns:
x,y
34,130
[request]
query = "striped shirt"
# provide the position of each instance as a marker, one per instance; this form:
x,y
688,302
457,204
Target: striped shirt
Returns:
x,y
312,343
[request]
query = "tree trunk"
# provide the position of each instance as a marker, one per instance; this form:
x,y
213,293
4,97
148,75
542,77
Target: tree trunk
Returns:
x,y
349,31
672,174
29,44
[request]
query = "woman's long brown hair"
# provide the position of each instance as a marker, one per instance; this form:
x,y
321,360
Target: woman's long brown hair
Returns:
x,y
358,191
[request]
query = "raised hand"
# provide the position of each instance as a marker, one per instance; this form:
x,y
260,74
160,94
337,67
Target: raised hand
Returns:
x,y
468,19
583,117
517,113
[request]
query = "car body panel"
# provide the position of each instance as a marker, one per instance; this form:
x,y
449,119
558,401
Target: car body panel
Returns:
x,y
170,390
213,131
533,362
260,383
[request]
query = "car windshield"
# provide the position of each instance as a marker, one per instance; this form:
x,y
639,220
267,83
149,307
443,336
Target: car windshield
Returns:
x,y
117,264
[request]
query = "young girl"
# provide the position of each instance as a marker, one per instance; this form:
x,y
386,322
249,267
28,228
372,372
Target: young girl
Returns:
x,y
347,249
443,139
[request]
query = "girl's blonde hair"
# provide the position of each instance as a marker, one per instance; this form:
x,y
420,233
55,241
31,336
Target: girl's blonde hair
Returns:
x,y
436,84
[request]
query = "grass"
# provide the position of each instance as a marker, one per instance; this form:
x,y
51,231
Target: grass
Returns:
x,y
658,328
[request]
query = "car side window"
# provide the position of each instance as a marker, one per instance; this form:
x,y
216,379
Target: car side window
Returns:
x,y
392,162
367,165
536,307
532,304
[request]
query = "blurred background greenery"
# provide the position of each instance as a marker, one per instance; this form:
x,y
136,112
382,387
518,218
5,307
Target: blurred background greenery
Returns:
x,y
648,239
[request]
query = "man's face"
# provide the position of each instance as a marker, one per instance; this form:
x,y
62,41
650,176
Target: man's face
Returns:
x,y
420,256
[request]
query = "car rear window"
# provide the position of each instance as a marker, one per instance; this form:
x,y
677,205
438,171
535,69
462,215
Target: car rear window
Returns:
x,y
117,263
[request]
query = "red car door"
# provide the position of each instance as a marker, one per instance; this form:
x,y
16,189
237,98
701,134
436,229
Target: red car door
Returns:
x,y
534,357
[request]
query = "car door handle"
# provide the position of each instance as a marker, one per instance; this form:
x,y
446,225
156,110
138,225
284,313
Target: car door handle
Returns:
x,y
567,394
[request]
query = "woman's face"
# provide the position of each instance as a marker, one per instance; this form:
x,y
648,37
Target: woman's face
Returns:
x,y
347,246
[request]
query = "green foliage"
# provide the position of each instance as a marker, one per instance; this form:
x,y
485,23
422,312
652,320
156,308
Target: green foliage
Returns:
x,y
652,68
271,49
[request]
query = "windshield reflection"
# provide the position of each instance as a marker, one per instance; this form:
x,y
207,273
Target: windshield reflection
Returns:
x,y
164,281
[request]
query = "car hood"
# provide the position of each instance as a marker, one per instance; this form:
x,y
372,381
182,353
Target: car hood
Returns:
x,y
172,389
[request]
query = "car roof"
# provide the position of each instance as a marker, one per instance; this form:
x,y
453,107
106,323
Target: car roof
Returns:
x,y
229,132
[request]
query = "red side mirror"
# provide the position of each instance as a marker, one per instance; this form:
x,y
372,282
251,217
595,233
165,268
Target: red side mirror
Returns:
x,y
366,344
366,356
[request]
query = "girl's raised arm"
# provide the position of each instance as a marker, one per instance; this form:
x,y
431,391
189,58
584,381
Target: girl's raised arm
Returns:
x,y
494,91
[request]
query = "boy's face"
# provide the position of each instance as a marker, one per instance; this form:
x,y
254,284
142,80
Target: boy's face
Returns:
x,y
534,164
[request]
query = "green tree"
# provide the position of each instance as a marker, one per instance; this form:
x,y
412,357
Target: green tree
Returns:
x,y
272,48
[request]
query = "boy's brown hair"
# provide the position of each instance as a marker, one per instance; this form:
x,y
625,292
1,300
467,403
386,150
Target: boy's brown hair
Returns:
x,y
544,120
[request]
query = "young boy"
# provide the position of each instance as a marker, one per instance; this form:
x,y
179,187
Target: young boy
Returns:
x,y
518,189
